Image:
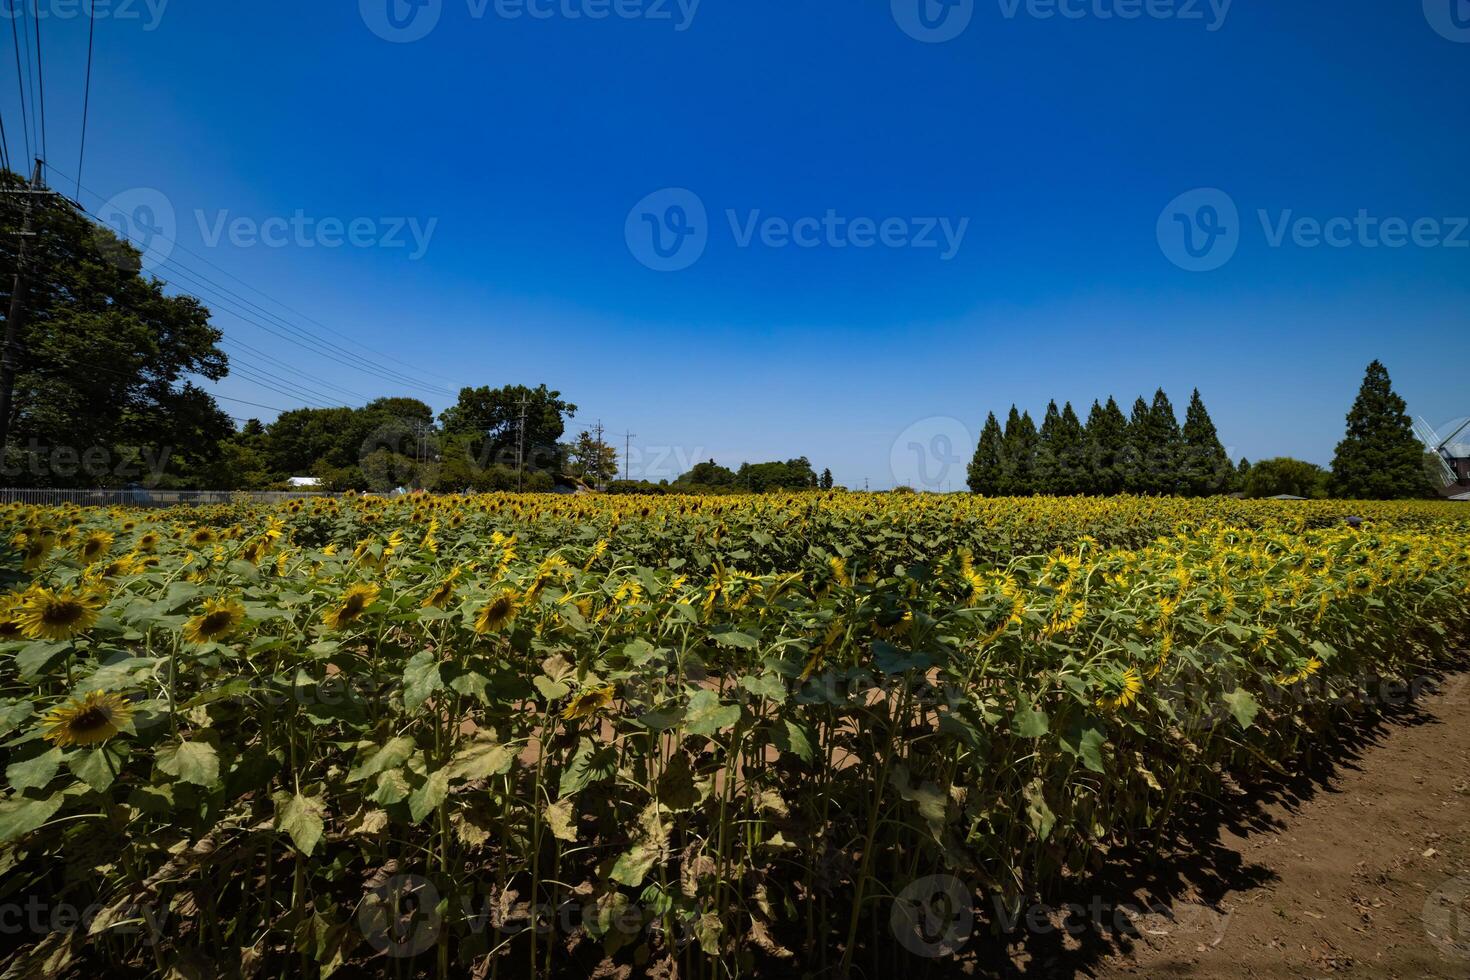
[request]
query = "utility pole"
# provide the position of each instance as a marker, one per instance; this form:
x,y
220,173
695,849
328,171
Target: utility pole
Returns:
x,y
16,317
627,451
598,443
521,449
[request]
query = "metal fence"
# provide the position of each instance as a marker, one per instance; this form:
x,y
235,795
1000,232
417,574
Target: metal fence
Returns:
x,y
139,497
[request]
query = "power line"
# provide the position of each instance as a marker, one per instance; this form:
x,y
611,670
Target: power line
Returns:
x,y
40,73
87,93
199,283
398,377
25,119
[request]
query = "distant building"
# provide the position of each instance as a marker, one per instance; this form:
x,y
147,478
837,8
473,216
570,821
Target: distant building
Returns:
x,y
1451,443
304,482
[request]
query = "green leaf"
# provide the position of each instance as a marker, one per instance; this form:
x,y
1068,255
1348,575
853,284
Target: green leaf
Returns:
x,y
481,759
1041,817
35,772
421,678
381,758
560,819
1030,721
590,764
191,762
12,714
39,658
392,787
706,716
732,638
550,690
793,739
20,815
301,818
765,686
889,659
91,767
426,799
1243,706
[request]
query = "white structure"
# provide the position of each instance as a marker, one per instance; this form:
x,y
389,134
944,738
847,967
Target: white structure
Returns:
x,y
305,482
1451,443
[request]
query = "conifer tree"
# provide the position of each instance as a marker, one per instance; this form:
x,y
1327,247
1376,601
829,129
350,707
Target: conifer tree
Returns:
x,y
985,471
1048,474
1070,450
1136,476
1206,470
1242,473
1163,447
1107,449
1380,458
1018,455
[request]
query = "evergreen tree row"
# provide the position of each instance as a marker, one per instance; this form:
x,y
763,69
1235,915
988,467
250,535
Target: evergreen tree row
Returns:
x,y
1147,452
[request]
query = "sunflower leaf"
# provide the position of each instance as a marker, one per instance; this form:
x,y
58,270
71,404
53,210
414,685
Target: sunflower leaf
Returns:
x,y
37,659
35,772
301,818
20,815
426,799
481,759
191,762
92,767
421,678
560,819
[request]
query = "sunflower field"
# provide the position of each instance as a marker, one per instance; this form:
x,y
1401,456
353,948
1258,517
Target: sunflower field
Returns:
x,y
535,736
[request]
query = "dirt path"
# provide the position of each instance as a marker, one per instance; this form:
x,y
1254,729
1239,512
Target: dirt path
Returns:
x,y
1361,869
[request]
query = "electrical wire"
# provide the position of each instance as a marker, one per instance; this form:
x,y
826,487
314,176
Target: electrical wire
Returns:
x,y
87,93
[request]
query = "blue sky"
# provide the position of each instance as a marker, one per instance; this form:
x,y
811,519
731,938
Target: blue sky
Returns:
x,y
1056,144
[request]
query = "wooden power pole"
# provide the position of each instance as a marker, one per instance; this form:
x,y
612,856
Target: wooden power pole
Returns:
x,y
15,319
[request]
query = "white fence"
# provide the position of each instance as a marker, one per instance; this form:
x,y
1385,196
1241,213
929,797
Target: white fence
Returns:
x,y
151,498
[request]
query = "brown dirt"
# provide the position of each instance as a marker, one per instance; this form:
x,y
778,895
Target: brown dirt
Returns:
x,y
1356,866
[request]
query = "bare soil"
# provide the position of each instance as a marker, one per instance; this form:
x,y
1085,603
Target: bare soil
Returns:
x,y
1356,865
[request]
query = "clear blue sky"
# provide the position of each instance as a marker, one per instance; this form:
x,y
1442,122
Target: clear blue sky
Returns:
x,y
1059,140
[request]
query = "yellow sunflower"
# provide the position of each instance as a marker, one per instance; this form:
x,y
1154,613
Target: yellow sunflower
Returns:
x,y
1122,690
443,593
94,718
202,536
588,703
497,613
219,619
351,606
94,546
45,614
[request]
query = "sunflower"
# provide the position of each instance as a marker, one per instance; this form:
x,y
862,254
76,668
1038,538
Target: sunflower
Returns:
x,y
588,703
1122,690
351,606
48,615
219,618
443,594
497,613
9,621
34,549
94,546
92,719
838,565
1297,676
202,536
147,541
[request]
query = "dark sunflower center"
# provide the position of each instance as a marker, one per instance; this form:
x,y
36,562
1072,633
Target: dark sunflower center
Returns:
x,y
62,613
352,606
91,719
215,622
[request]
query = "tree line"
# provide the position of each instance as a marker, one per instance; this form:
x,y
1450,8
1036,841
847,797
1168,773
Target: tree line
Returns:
x,y
1144,452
